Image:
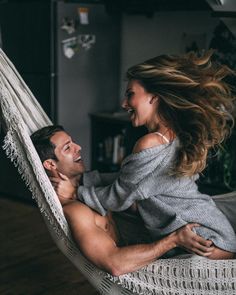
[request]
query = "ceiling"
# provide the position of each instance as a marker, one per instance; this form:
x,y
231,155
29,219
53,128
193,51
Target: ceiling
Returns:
x,y
149,7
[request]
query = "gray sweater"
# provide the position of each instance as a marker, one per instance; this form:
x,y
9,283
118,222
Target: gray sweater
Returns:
x,y
165,202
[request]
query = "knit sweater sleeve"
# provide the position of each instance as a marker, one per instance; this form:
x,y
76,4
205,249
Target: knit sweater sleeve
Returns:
x,y
95,178
117,196
129,186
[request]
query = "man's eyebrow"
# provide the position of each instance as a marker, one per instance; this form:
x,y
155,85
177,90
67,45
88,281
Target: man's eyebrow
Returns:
x,y
128,90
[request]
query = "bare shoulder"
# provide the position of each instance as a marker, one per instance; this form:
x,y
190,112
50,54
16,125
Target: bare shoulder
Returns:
x,y
147,141
76,206
79,213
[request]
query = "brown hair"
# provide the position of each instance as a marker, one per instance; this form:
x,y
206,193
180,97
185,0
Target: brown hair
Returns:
x,y
194,101
42,141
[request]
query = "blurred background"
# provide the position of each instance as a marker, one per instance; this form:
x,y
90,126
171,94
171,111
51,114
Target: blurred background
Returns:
x,y
73,56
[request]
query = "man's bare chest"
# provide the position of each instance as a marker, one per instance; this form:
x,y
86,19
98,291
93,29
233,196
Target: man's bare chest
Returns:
x,y
107,224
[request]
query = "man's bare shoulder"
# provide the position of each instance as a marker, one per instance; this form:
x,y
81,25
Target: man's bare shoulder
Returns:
x,y
80,213
76,205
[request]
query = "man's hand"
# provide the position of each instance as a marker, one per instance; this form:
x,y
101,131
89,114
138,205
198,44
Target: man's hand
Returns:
x,y
65,190
192,242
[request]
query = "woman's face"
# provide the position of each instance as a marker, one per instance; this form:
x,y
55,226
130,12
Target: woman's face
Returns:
x,y
140,104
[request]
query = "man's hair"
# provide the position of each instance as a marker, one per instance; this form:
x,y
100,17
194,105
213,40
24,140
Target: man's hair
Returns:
x,y
42,141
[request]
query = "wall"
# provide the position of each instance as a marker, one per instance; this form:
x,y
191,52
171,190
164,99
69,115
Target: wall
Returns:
x,y
143,37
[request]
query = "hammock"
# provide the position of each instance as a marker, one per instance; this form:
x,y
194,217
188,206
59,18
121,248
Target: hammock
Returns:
x,y
22,115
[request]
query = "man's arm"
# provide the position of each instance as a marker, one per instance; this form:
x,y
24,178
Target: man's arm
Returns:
x,y
101,249
118,196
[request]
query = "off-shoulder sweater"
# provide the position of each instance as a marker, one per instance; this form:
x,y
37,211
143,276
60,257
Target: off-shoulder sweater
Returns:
x,y
165,202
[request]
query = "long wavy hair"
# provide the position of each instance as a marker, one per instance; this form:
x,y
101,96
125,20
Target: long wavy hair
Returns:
x,y
195,102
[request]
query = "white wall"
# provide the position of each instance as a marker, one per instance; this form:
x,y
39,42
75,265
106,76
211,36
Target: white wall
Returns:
x,y
143,38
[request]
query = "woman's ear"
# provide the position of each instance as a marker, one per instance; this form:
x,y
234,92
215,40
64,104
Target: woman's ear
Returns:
x,y
49,165
153,99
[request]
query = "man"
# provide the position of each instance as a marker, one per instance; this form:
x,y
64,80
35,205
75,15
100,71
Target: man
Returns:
x,y
98,236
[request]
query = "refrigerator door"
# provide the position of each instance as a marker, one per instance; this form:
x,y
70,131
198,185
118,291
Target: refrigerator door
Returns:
x,y
89,80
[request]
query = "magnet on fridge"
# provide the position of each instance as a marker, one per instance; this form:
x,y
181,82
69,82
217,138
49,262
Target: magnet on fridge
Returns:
x,y
70,46
68,52
68,25
83,15
86,40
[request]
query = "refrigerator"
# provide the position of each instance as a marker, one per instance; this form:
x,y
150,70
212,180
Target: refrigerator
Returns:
x,y
68,53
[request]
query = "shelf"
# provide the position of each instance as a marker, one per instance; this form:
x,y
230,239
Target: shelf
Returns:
x,y
115,117
112,138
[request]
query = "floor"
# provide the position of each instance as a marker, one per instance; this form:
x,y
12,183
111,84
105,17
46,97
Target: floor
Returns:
x,y
30,263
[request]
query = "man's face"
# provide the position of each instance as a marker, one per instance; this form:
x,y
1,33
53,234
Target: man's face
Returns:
x,y
69,161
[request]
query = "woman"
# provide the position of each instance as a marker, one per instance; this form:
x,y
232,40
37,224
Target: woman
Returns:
x,y
187,108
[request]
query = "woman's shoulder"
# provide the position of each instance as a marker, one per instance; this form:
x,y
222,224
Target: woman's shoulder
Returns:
x,y
148,141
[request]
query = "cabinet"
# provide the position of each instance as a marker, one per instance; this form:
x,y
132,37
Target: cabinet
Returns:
x,y
112,138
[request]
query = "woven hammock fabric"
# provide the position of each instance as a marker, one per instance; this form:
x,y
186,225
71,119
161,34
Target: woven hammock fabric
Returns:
x,y
191,274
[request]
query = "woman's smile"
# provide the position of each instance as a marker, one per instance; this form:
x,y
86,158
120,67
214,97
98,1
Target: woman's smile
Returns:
x,y
138,104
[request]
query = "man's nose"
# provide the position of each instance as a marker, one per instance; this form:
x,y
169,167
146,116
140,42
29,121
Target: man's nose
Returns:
x,y
77,147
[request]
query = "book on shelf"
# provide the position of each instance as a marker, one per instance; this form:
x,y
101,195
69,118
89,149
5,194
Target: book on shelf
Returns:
x,y
111,149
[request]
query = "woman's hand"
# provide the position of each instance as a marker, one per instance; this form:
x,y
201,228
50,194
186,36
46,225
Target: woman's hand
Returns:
x,y
65,190
192,242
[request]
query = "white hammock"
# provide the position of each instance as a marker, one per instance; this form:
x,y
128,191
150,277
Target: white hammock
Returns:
x,y
22,115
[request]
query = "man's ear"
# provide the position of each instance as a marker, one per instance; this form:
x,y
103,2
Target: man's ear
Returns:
x,y
50,165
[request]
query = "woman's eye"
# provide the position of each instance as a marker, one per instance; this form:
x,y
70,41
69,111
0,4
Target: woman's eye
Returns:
x,y
129,94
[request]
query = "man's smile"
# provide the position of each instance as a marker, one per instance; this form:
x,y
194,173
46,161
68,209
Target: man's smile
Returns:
x,y
78,159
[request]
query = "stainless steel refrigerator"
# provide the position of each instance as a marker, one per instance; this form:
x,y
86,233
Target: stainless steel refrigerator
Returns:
x,y
69,86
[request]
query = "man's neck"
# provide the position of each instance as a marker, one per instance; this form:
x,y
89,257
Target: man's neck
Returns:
x,y
76,180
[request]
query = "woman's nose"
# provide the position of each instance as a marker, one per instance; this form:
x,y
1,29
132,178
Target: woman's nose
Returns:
x,y
124,104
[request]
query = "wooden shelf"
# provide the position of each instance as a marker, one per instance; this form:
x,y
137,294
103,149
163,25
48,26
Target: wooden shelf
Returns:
x,y
111,133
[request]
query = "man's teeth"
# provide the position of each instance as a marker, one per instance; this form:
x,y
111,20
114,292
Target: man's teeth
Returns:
x,y
78,159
